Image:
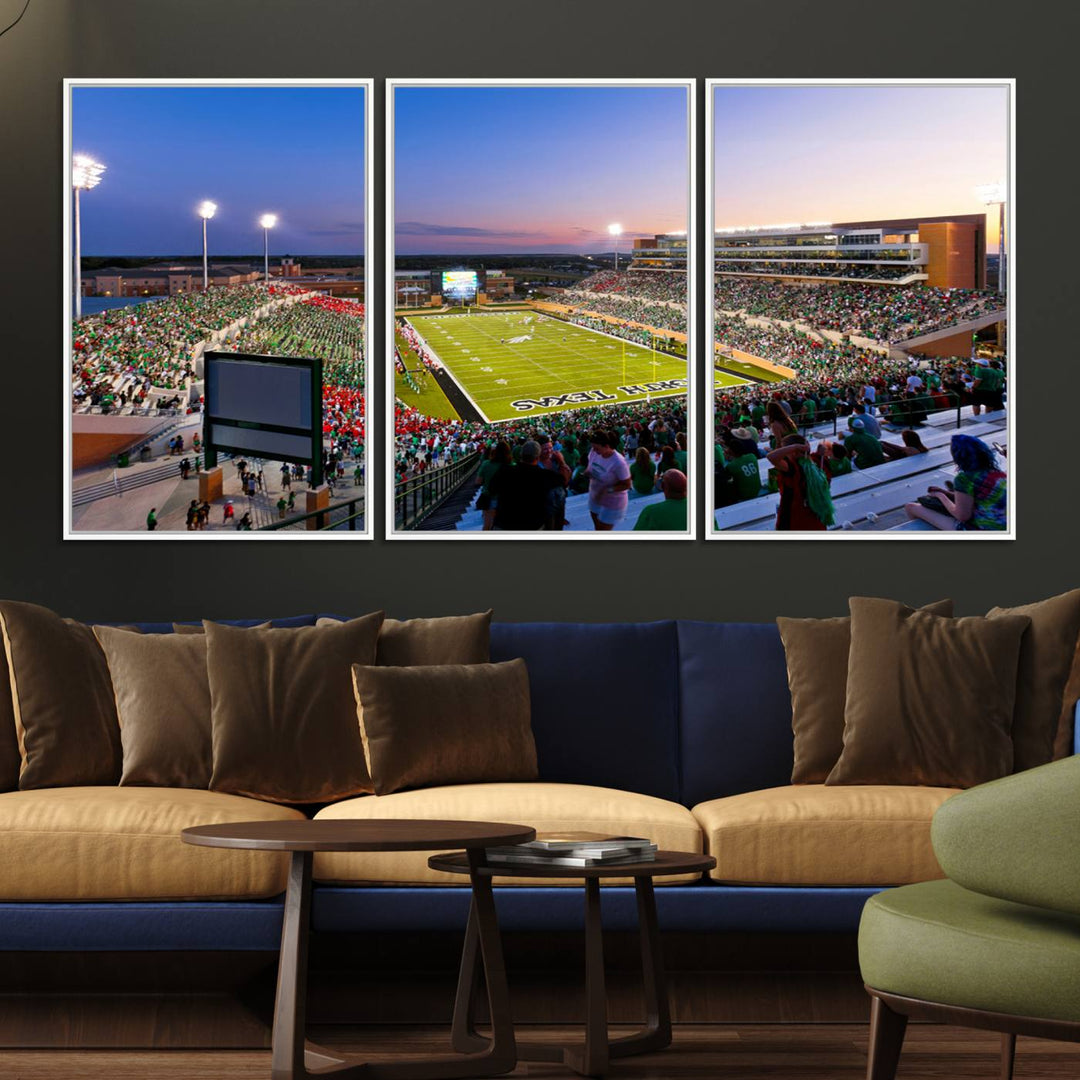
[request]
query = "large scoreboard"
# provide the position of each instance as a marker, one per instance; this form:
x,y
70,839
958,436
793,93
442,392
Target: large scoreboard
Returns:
x,y
458,285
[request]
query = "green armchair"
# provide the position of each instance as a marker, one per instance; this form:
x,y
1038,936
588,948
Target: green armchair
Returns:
x,y
997,944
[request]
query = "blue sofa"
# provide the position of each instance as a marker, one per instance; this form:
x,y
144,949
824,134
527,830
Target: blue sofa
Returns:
x,y
685,712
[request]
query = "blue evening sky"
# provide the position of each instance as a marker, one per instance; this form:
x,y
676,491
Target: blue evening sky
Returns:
x,y
513,168
297,152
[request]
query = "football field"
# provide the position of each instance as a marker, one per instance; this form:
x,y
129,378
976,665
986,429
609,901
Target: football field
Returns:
x,y
521,363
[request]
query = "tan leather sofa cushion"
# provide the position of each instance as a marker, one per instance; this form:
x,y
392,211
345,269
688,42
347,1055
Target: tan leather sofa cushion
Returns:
x,y
546,807
123,843
810,834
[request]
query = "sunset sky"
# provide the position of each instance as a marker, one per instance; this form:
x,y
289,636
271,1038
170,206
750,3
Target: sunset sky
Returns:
x,y
848,153
505,169
297,152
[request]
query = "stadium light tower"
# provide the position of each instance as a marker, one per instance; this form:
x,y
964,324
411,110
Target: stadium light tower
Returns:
x,y
616,231
206,211
85,174
995,195
267,221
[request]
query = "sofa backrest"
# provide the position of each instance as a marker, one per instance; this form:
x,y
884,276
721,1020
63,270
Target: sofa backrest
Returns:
x,y
734,710
605,701
686,711
167,627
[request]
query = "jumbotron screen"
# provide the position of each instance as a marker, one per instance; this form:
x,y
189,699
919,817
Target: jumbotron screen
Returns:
x,y
460,282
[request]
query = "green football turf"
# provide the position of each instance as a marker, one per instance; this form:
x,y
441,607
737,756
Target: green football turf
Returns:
x,y
553,366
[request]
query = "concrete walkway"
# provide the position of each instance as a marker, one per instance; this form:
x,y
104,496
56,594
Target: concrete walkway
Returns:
x,y
171,498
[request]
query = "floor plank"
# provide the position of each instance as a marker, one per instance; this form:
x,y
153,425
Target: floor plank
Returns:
x,y
716,1052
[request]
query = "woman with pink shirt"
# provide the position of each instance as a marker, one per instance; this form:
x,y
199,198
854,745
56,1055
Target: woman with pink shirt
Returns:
x,y
609,483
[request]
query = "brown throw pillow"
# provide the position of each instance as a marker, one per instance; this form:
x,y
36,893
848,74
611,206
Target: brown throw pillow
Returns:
x,y
929,699
197,628
817,662
455,639
9,739
163,702
445,724
1066,729
62,696
1046,657
283,713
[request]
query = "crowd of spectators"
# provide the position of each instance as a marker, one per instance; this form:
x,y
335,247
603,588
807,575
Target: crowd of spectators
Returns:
x,y
132,355
665,286
882,314
646,312
656,431
332,330
754,422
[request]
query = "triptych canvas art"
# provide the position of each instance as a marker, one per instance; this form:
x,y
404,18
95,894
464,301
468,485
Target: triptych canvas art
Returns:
x,y
541,371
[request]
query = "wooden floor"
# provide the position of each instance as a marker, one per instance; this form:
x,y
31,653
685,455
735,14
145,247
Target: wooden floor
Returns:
x,y
700,1052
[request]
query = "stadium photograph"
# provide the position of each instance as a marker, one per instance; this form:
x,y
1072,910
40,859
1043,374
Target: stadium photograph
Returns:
x,y
539,282
215,320
862,360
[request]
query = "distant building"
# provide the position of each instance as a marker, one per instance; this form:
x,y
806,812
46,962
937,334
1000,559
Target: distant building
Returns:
x,y
498,285
289,267
666,251
162,281
946,252
426,288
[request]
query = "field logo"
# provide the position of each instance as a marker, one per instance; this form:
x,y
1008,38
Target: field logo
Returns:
x,y
583,397
653,387
578,397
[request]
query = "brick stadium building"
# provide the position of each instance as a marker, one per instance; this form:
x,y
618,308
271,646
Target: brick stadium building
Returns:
x,y
947,252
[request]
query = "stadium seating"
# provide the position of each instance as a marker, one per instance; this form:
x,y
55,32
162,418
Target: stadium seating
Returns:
x,y
882,489
577,513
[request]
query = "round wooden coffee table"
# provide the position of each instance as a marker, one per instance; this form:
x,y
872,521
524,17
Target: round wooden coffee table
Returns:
x,y
291,1057
591,1058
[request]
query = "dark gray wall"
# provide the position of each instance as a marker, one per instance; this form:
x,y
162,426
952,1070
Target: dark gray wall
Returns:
x,y
743,579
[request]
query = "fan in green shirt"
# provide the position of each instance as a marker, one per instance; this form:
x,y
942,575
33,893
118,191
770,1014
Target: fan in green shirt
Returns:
x,y
864,448
745,472
643,472
671,514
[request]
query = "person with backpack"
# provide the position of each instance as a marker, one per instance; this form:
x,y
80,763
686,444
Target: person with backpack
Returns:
x,y
805,501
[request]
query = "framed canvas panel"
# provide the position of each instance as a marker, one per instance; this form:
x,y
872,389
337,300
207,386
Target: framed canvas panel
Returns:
x,y
861,292
541,280
221,222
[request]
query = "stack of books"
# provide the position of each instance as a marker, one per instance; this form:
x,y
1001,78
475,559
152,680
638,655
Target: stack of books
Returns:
x,y
575,849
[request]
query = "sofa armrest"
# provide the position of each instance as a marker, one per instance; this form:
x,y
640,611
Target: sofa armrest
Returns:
x,y
1017,838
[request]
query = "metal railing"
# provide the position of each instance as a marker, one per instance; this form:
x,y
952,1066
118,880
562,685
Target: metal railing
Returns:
x,y
911,410
127,410
347,514
417,497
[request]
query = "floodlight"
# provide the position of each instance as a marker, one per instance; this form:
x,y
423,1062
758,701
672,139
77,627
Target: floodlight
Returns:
x,y
268,221
991,194
207,209
85,172
615,230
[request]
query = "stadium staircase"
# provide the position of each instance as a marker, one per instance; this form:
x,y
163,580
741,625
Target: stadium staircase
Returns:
x,y
873,499
577,513
120,484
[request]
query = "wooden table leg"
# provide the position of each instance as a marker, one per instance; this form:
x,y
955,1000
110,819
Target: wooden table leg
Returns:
x,y
292,1058
464,1037
290,1004
657,1031
592,1059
